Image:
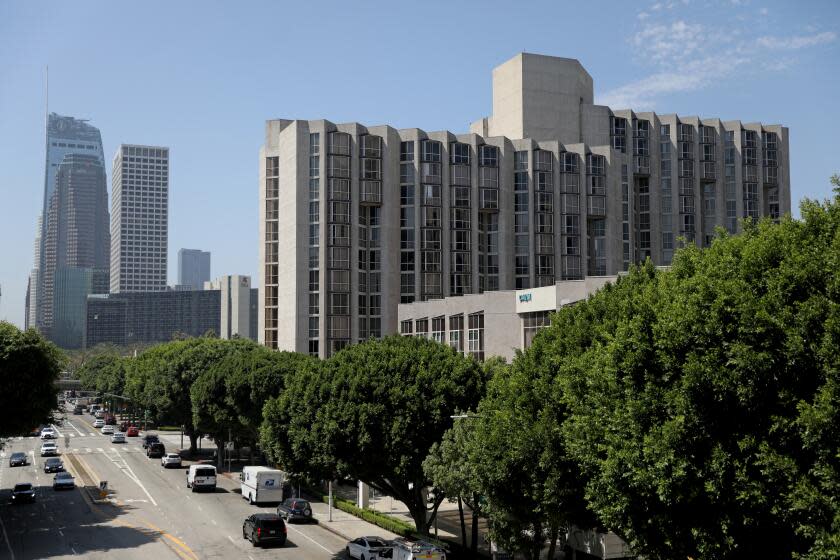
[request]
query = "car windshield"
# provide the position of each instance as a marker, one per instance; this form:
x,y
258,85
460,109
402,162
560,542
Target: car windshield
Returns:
x,y
23,487
49,444
53,461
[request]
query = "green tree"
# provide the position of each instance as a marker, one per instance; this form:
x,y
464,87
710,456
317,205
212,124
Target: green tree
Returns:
x,y
452,472
701,402
372,412
29,368
104,372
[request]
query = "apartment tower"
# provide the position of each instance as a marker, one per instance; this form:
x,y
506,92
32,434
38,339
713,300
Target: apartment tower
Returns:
x,y
355,219
139,218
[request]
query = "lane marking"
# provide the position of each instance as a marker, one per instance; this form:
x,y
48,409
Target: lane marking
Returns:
x,y
56,430
307,537
130,474
231,540
74,427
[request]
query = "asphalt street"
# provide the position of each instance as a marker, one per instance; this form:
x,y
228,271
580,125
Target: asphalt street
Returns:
x,y
150,514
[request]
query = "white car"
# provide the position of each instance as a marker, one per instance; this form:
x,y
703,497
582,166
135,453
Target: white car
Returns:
x,y
118,437
369,548
99,414
98,423
170,460
47,433
108,429
49,448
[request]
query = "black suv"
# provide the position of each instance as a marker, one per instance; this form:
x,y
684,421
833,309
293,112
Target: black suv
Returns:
x,y
149,439
23,492
264,528
17,460
155,450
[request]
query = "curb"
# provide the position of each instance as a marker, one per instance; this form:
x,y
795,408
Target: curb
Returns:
x,y
328,527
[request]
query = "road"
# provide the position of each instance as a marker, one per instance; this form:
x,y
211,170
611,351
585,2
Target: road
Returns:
x,y
151,514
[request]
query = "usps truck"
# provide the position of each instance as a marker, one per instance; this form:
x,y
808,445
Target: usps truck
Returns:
x,y
262,484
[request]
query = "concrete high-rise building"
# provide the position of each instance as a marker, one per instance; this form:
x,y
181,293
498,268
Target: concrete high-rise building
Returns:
x,y
355,220
75,248
65,137
239,306
139,218
31,317
193,268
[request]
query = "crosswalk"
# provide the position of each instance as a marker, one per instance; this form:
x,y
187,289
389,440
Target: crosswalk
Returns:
x,y
91,450
68,434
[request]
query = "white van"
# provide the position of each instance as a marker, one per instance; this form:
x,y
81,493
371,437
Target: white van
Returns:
x,y
262,484
201,477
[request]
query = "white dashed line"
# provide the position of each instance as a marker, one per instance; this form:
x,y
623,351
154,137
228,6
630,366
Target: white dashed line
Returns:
x,y
229,538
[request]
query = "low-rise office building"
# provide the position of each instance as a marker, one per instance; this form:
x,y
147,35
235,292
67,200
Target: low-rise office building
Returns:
x,y
493,323
239,306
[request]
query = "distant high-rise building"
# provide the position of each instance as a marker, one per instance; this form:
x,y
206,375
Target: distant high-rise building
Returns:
x,y
238,306
193,268
65,137
75,247
139,218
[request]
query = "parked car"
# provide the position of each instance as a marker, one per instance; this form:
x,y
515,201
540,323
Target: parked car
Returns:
x,y
118,437
49,448
23,492
48,433
64,480
108,429
17,459
170,460
295,509
98,423
264,528
150,438
156,450
53,464
369,548
132,431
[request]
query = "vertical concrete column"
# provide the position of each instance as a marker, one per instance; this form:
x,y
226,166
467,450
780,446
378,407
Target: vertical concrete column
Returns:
x,y
363,495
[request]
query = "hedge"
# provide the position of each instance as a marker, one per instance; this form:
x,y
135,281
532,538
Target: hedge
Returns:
x,y
371,516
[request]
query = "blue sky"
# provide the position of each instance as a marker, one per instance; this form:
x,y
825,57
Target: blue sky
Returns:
x,y
202,77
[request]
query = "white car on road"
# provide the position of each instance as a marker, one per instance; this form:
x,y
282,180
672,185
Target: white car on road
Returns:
x,y
118,437
49,448
170,460
98,423
369,548
48,433
108,429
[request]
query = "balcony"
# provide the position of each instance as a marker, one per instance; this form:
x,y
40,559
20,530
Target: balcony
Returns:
x,y
641,165
596,205
371,193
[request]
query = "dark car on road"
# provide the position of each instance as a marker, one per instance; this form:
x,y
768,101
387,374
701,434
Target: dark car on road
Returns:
x,y
64,480
110,420
264,528
23,492
155,450
53,464
295,509
17,460
149,439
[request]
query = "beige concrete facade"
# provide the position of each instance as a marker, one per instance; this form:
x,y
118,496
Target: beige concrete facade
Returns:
x,y
493,323
355,220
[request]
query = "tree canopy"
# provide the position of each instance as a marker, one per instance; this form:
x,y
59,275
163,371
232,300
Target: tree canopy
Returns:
x,y
372,412
29,367
701,402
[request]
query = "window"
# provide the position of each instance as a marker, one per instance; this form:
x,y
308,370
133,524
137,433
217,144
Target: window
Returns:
x,y
407,173
475,335
339,212
542,160
314,143
461,197
340,257
406,327
340,143
569,162
340,303
431,151
430,172
520,161
456,332
488,177
371,146
459,153
489,199
460,175
339,189
371,169
489,156
431,195
339,166
532,323
406,151
439,329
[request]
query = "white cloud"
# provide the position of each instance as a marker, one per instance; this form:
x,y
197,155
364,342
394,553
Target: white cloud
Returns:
x,y
796,42
687,56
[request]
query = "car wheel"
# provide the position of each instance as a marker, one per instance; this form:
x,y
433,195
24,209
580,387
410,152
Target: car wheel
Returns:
x,y
254,542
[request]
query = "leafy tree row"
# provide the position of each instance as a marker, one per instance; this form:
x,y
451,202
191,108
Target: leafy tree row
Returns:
x,y
693,411
29,368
